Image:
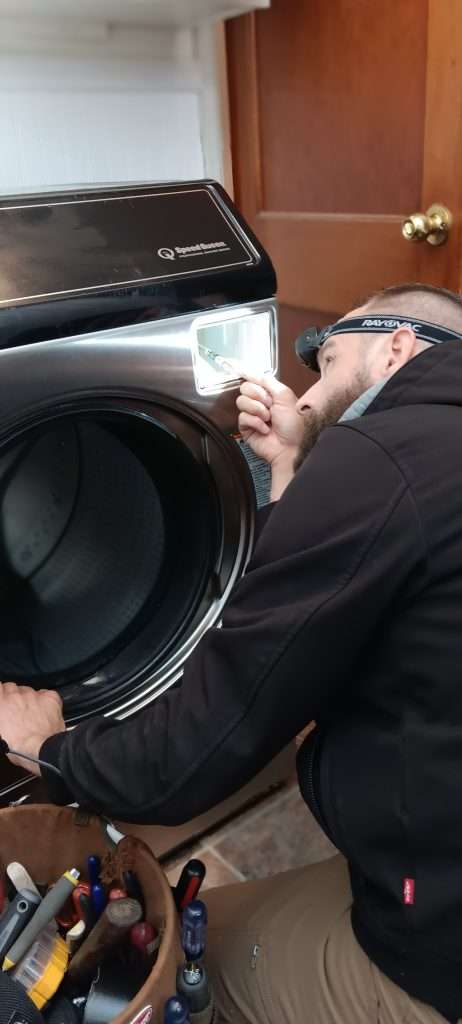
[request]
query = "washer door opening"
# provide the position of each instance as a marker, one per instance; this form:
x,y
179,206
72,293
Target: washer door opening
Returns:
x,y
109,529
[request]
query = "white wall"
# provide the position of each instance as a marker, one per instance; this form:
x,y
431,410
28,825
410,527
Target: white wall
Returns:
x,y
103,103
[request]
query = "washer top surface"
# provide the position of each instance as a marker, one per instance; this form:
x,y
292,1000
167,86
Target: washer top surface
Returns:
x,y
71,262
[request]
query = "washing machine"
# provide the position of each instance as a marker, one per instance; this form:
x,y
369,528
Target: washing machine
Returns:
x,y
127,501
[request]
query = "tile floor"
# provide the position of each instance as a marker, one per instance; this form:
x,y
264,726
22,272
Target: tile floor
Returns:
x,y
277,834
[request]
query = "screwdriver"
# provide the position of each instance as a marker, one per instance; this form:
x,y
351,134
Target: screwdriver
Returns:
x,y
194,930
192,981
189,883
94,868
97,891
176,1011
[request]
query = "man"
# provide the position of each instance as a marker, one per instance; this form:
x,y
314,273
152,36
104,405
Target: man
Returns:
x,y
350,613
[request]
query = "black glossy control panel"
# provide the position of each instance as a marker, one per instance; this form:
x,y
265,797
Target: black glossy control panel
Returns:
x,y
74,262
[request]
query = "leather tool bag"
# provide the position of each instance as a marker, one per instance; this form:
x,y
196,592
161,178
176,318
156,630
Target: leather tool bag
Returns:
x,y
48,840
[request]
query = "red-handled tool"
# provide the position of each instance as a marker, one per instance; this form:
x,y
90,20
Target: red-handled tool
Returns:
x,y
67,916
81,898
189,883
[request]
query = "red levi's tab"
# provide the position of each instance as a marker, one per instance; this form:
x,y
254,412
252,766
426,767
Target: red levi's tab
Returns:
x,y
408,891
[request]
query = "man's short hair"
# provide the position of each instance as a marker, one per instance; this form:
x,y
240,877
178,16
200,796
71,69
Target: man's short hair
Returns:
x,y
422,301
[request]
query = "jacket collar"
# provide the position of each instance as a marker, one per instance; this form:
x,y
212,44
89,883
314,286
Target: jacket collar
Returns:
x,y
359,407
434,377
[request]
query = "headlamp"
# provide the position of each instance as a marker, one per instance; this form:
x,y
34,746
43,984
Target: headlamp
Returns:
x,y
312,339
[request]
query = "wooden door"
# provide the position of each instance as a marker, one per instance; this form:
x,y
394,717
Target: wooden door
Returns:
x,y
346,118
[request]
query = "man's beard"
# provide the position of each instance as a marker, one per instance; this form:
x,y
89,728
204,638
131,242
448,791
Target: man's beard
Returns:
x,y
334,408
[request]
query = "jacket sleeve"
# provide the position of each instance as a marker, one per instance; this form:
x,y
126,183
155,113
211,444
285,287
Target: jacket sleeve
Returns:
x,y
341,543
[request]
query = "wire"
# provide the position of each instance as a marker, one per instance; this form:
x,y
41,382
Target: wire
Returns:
x,y
5,749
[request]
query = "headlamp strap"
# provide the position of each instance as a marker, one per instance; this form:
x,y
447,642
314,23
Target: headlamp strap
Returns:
x,y
387,323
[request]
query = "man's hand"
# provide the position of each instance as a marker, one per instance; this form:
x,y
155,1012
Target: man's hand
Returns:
x,y
271,425
27,718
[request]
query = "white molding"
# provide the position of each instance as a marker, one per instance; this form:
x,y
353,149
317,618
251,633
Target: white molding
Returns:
x,y
67,37
214,109
225,115
32,23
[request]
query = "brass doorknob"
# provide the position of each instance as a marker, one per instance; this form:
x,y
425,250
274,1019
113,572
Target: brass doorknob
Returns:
x,y
432,227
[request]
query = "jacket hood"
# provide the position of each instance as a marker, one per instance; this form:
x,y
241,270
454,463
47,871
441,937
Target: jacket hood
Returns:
x,y
434,377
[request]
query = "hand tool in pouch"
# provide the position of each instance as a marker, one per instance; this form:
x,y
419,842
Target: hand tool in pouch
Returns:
x,y
94,869
97,890
192,980
145,941
81,899
98,899
133,887
46,911
75,937
16,918
113,925
20,878
176,1011
117,894
111,992
189,883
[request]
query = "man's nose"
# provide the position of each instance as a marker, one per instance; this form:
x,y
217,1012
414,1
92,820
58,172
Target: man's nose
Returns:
x,y
304,404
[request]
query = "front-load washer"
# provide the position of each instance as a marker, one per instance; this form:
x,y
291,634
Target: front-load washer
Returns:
x,y
127,503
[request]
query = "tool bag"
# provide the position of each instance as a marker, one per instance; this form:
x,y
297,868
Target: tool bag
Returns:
x,y
48,840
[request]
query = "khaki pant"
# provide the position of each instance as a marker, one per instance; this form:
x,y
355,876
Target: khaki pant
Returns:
x,y
282,951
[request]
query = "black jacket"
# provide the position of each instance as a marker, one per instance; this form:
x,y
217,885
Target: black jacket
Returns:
x,y
350,613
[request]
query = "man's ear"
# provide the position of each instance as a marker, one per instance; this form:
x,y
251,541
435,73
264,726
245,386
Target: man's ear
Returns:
x,y
402,346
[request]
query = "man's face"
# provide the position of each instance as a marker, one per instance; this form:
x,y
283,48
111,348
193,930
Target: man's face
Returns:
x,y
344,376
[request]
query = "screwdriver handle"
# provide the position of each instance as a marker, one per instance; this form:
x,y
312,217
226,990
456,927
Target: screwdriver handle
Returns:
x,y
194,929
189,883
16,917
115,922
94,868
176,1011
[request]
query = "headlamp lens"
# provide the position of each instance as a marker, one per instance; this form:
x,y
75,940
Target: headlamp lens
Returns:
x,y
308,343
